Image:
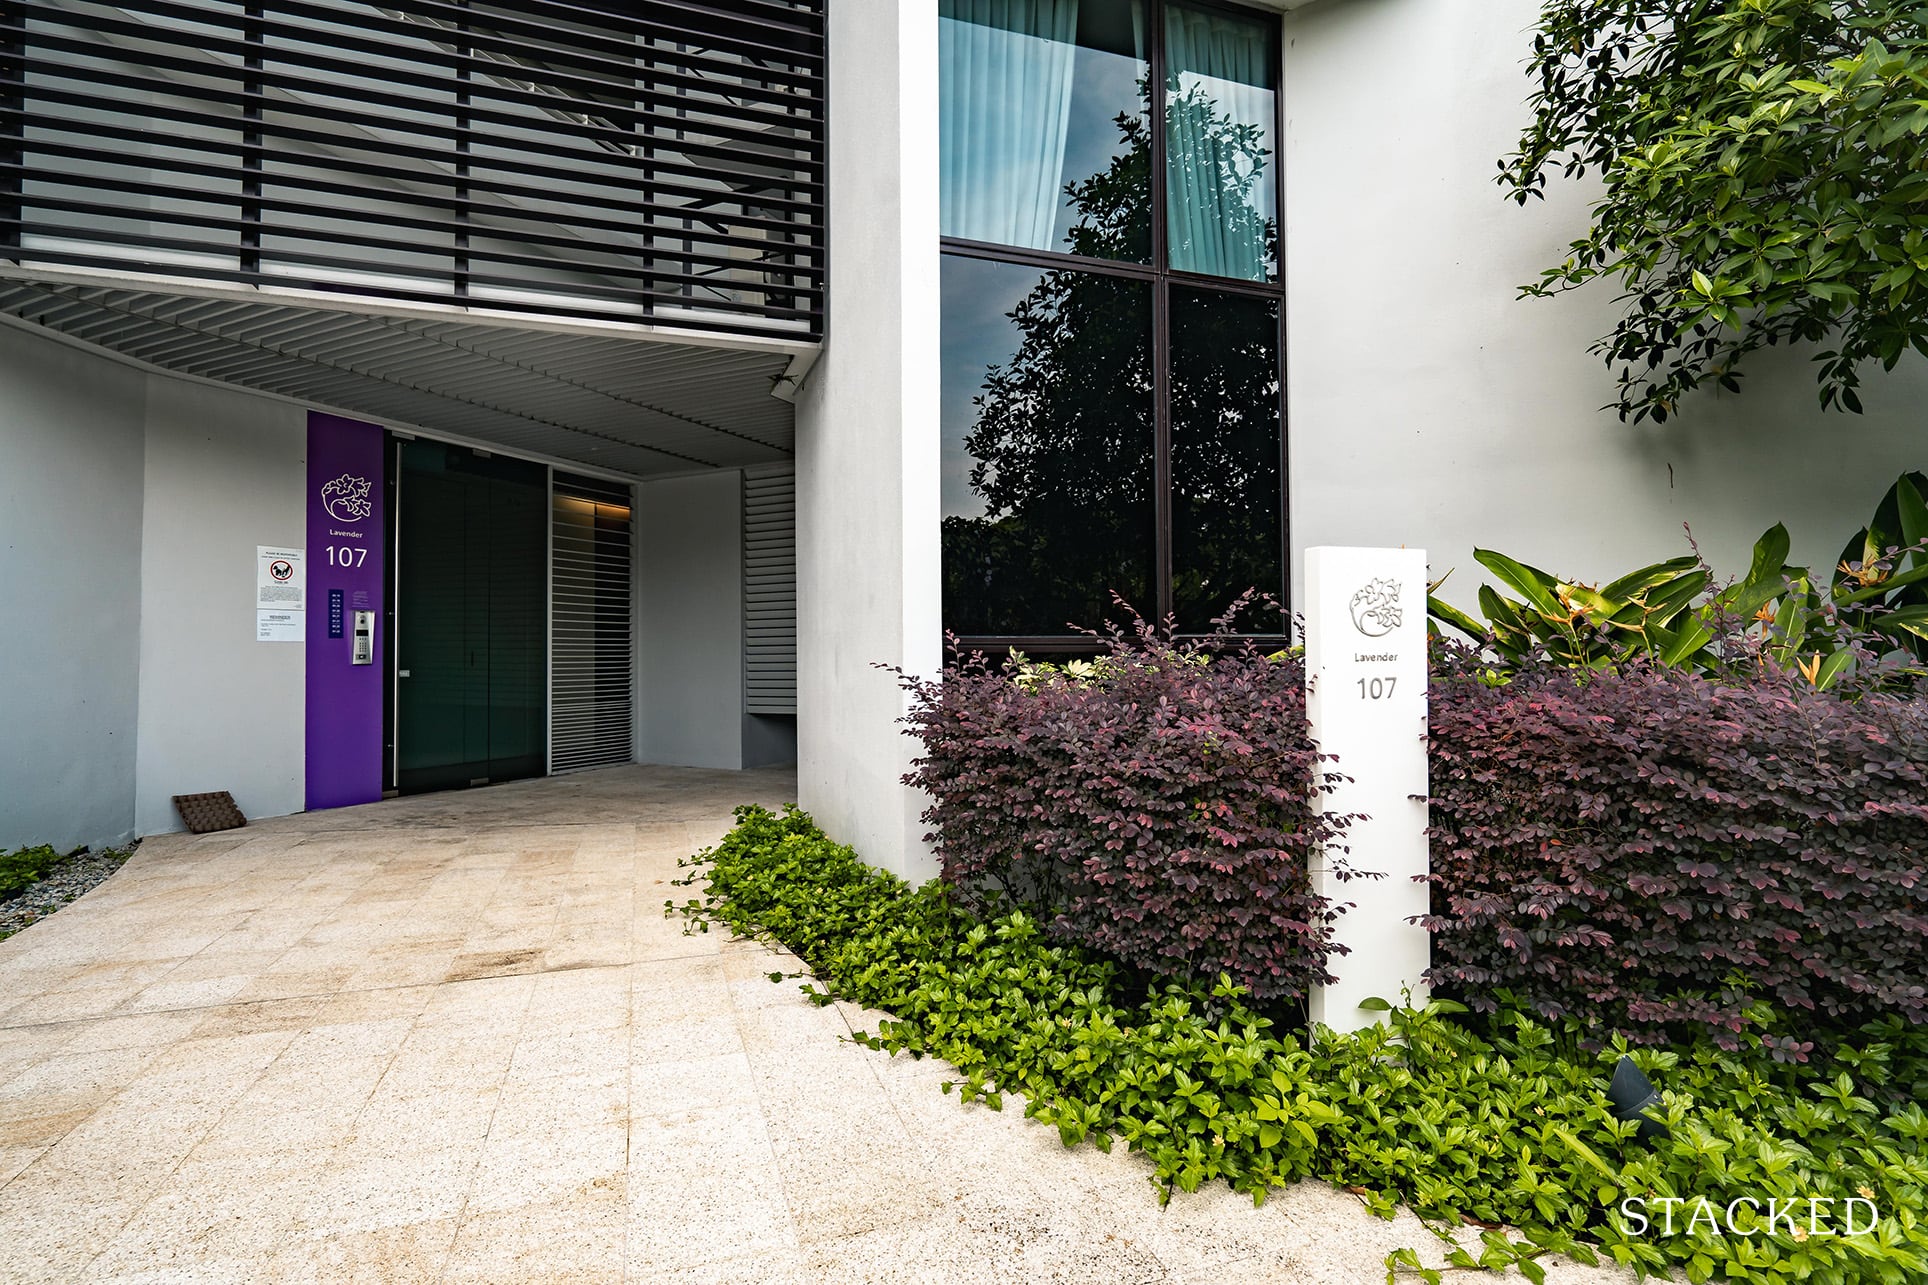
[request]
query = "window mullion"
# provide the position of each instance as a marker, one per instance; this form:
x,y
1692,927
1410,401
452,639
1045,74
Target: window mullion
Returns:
x,y
1155,92
1161,329
1161,419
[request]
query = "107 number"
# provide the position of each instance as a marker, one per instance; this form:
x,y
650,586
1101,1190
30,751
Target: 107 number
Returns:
x,y
1376,689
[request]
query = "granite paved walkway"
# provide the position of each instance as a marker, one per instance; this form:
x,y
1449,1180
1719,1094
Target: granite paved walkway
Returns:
x,y
453,1038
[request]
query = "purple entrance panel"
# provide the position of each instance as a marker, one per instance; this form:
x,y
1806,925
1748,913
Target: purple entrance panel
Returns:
x,y
345,576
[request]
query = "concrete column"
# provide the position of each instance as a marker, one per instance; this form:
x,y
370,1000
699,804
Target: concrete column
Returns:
x,y
868,557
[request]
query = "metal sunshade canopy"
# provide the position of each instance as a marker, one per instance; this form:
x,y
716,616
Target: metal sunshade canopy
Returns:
x,y
630,402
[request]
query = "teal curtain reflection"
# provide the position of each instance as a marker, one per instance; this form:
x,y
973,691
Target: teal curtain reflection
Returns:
x,y
1005,103
1220,207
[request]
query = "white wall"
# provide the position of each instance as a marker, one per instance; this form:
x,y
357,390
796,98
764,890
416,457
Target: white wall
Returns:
x,y
867,440
70,565
218,710
1430,406
689,620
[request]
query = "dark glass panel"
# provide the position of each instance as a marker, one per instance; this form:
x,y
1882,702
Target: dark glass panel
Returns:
x,y
518,625
472,626
1227,506
1045,134
1047,448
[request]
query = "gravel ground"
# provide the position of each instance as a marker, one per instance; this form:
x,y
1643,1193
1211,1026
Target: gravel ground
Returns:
x,y
65,882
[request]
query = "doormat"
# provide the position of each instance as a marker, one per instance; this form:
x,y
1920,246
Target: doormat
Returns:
x,y
202,813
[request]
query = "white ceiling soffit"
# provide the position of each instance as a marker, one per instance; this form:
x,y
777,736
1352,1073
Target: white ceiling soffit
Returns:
x,y
634,406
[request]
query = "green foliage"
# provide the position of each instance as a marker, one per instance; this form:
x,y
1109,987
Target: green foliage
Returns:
x,y
1648,612
1505,1128
1881,582
1763,182
1874,608
24,867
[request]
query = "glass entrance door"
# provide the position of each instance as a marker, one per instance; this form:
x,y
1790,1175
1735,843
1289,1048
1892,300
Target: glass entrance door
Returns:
x,y
471,629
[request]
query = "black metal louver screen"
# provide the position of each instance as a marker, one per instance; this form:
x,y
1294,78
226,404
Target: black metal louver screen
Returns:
x,y
770,589
591,653
659,161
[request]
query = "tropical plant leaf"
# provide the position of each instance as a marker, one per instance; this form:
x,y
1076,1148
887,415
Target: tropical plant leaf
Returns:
x,y
1648,578
1446,613
1535,585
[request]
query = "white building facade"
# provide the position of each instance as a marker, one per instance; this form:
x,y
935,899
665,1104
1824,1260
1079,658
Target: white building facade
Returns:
x,y
773,331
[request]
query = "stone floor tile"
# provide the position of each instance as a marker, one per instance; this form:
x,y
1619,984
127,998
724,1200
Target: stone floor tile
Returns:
x,y
71,1005
54,1227
136,1030
72,1081
347,1042
168,995
377,1194
296,983
764,1267
678,1039
216,962
390,1126
390,1255
449,1066
305,1134
600,1051
988,1241
561,1103
15,1157
691,1084
258,1016
539,1167
87,976
703,1185
575,1240
212,1212
30,1127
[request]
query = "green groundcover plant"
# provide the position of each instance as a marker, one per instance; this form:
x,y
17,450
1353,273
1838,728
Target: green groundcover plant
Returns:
x,y
24,867
1490,1126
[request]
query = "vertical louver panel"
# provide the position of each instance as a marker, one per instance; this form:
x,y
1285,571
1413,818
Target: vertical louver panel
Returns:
x,y
770,590
590,665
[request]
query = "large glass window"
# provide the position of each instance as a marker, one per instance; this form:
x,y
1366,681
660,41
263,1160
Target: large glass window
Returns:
x,y
1112,346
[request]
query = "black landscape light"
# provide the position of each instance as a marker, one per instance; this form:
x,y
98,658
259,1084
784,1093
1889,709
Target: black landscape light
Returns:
x,y
1632,1095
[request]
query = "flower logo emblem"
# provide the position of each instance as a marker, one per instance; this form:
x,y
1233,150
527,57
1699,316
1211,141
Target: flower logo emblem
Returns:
x,y
346,498
1375,608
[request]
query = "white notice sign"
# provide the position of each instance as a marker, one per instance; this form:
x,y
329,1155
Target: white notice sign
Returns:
x,y
280,626
280,595
279,579
1365,673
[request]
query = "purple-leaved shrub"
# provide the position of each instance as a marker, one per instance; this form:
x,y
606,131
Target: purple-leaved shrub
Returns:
x,y
1157,804
1646,850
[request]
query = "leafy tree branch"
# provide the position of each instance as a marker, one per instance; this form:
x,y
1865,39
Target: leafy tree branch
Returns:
x,y
1765,182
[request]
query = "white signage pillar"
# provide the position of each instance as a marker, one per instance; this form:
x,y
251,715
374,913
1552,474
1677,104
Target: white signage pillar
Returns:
x,y
1365,674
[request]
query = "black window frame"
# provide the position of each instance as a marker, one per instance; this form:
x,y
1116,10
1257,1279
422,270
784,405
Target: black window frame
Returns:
x,y
1161,278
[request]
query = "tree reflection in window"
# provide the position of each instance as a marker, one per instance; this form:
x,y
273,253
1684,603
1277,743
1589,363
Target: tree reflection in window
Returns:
x,y
1048,505
1227,502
